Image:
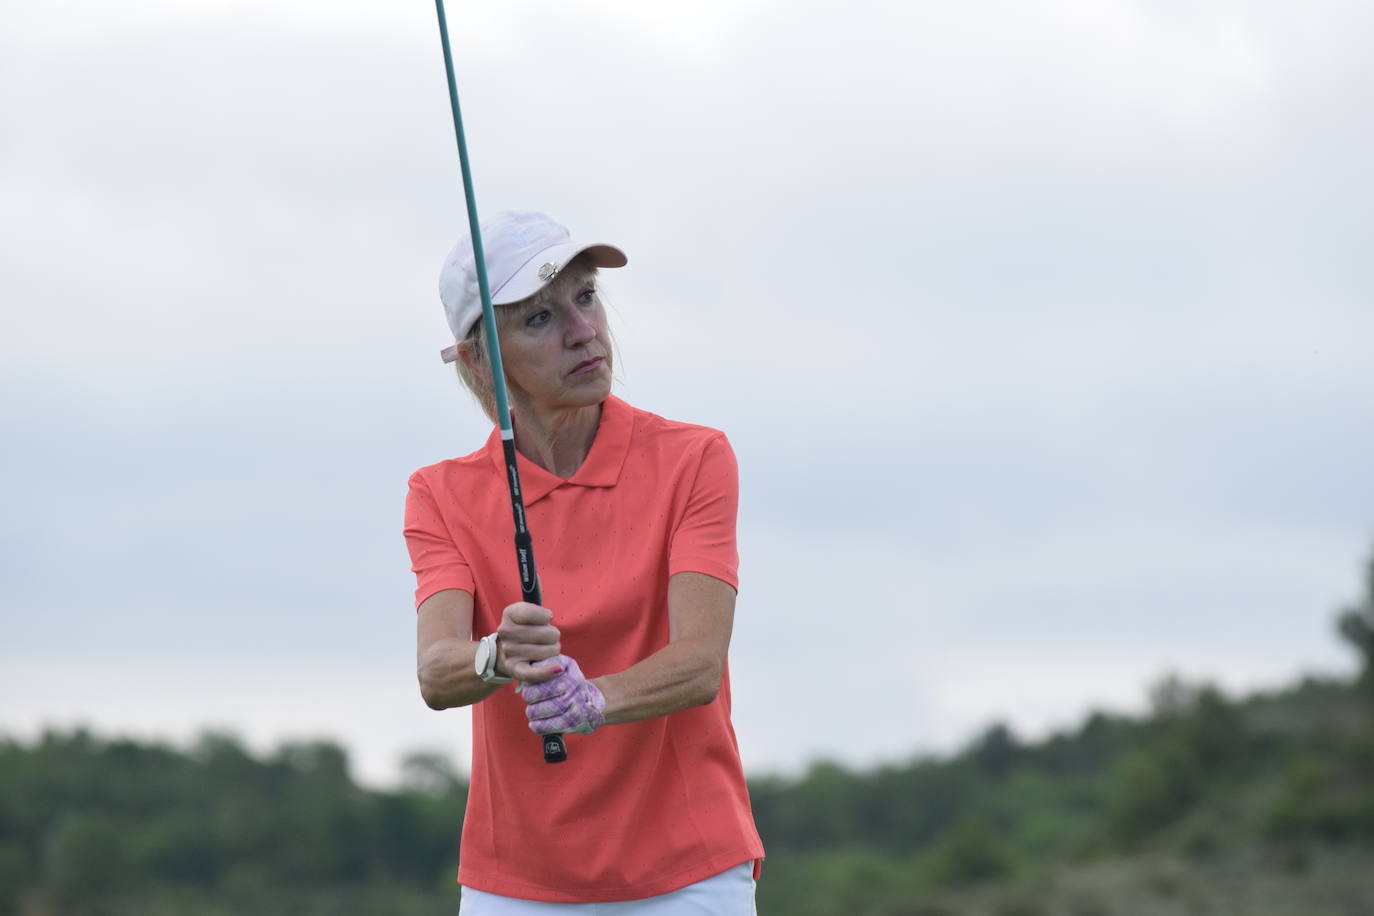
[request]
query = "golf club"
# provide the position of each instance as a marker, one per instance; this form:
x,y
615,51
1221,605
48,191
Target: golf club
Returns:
x,y
555,750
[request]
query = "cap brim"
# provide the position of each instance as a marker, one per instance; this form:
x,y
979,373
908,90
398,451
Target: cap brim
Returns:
x,y
543,267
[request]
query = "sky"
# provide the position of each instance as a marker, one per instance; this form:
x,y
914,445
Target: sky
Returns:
x,y
1042,332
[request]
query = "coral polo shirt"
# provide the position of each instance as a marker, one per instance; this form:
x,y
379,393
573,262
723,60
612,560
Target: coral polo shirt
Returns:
x,y
638,809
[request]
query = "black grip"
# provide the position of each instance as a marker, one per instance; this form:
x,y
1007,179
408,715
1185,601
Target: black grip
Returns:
x,y
524,559
555,749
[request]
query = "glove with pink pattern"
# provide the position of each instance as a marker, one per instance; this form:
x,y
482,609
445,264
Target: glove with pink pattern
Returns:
x,y
567,703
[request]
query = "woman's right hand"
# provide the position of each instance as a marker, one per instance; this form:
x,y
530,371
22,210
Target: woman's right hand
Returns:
x,y
526,637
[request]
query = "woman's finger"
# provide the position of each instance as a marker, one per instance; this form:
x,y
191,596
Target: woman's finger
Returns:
x,y
547,709
548,691
524,613
528,634
531,673
525,652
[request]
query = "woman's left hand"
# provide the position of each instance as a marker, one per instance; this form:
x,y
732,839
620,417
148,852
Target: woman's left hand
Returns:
x,y
566,703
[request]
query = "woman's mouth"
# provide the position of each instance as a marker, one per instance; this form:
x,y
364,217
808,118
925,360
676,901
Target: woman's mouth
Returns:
x,y
589,365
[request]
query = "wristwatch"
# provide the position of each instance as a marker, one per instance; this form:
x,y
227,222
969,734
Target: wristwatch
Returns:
x,y
485,661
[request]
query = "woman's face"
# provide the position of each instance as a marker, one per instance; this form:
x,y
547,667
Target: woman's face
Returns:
x,y
557,351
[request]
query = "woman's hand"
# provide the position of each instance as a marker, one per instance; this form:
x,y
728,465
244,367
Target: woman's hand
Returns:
x,y
525,637
568,702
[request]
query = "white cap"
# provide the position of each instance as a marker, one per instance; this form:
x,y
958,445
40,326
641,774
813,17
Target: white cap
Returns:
x,y
524,250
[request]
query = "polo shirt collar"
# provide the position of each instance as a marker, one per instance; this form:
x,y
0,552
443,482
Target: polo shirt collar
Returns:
x,y
601,467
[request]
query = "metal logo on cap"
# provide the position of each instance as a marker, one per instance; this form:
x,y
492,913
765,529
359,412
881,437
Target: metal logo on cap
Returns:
x,y
548,271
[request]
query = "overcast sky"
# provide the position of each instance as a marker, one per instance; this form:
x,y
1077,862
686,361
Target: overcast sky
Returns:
x,y
1042,331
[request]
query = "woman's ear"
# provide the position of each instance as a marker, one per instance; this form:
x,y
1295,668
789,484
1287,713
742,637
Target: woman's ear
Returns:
x,y
467,352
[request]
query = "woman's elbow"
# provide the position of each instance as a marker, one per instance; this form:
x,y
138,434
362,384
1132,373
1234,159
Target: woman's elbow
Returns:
x,y
708,685
436,694
430,696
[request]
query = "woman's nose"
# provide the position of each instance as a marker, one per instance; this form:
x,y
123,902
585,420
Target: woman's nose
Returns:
x,y
580,330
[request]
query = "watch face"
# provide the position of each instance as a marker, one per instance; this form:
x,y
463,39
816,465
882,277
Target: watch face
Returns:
x,y
483,650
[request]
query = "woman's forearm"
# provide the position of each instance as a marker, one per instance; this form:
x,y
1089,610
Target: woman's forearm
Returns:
x,y
688,670
682,674
447,676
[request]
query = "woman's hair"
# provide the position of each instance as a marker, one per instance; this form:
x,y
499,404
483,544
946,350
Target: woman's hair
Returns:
x,y
477,377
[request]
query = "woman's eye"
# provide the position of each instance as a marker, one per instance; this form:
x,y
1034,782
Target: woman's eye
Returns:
x,y
587,296
538,318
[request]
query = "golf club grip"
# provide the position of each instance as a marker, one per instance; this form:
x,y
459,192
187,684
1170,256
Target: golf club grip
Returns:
x,y
555,749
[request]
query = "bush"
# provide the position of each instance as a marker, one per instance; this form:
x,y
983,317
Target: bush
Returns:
x,y
968,854
85,861
1150,788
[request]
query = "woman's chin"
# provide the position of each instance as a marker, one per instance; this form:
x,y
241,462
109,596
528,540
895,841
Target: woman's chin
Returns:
x,y
579,397
592,391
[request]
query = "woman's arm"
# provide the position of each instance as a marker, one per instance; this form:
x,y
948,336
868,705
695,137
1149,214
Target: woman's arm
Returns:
x,y
686,672
445,650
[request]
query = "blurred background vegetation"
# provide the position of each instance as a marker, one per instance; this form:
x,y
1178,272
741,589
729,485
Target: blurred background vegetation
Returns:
x,y
1261,805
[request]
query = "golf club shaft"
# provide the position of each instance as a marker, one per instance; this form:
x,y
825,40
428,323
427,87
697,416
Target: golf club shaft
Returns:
x,y
555,751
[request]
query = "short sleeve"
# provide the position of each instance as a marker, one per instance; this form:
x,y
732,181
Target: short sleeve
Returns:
x,y
434,558
704,541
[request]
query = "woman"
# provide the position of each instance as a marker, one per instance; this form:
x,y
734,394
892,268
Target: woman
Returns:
x,y
633,518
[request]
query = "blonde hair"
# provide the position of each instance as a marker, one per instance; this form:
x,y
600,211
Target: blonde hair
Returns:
x,y
477,376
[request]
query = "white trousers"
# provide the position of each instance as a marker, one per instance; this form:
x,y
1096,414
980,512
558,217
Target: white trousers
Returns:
x,y
730,893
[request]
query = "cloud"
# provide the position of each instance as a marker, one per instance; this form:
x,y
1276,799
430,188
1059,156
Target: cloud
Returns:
x,y
1040,330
